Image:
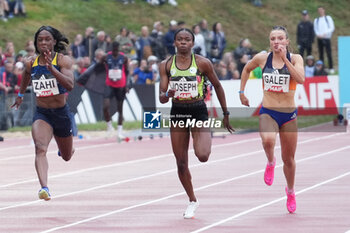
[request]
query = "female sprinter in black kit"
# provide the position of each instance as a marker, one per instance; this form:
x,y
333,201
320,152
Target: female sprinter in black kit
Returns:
x,y
51,76
189,70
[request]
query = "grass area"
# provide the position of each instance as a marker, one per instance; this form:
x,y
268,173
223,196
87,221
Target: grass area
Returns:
x,y
240,19
247,123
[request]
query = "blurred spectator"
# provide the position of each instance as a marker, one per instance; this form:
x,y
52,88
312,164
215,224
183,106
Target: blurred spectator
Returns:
x,y
218,44
2,58
243,53
133,65
309,66
157,39
324,27
19,8
8,78
244,48
153,64
181,24
199,41
30,49
143,74
10,50
99,56
220,69
18,71
4,10
109,42
169,38
305,34
78,49
21,55
207,36
319,69
125,43
232,71
80,67
143,44
100,42
88,42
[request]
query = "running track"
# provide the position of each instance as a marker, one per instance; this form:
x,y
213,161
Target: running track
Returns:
x,y
133,187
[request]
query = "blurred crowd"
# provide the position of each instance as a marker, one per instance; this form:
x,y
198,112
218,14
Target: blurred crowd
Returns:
x,y
150,45
11,8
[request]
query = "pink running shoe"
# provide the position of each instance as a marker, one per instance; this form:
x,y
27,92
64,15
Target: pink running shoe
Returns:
x,y
269,172
291,203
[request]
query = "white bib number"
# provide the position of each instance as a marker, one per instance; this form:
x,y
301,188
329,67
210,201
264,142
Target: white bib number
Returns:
x,y
115,74
185,90
45,87
276,82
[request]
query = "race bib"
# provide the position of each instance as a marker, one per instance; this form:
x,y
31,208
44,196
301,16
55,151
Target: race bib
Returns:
x,y
45,87
276,82
184,89
115,74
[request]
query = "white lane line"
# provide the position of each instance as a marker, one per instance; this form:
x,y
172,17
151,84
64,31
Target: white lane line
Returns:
x,y
31,155
16,147
31,144
160,157
121,164
268,204
205,187
156,174
157,157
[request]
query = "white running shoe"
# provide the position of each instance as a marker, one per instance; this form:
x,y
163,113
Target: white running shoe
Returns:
x,y
191,209
110,128
121,136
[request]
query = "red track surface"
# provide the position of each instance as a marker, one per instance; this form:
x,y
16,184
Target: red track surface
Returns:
x,y
133,187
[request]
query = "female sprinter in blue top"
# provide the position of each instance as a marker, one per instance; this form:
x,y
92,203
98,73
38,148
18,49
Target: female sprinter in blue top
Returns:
x,y
51,76
282,71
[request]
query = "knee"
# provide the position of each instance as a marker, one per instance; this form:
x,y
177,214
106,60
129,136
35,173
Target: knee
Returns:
x,y
288,161
202,153
182,167
203,157
268,143
40,149
66,158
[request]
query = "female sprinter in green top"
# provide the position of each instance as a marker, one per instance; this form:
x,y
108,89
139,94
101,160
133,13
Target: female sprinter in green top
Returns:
x,y
185,73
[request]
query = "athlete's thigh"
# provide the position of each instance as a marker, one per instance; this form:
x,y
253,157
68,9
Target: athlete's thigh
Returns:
x,y
65,144
179,141
201,140
268,127
41,132
289,137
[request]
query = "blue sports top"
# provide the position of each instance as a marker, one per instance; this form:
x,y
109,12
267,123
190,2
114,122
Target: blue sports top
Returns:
x,y
277,80
43,82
